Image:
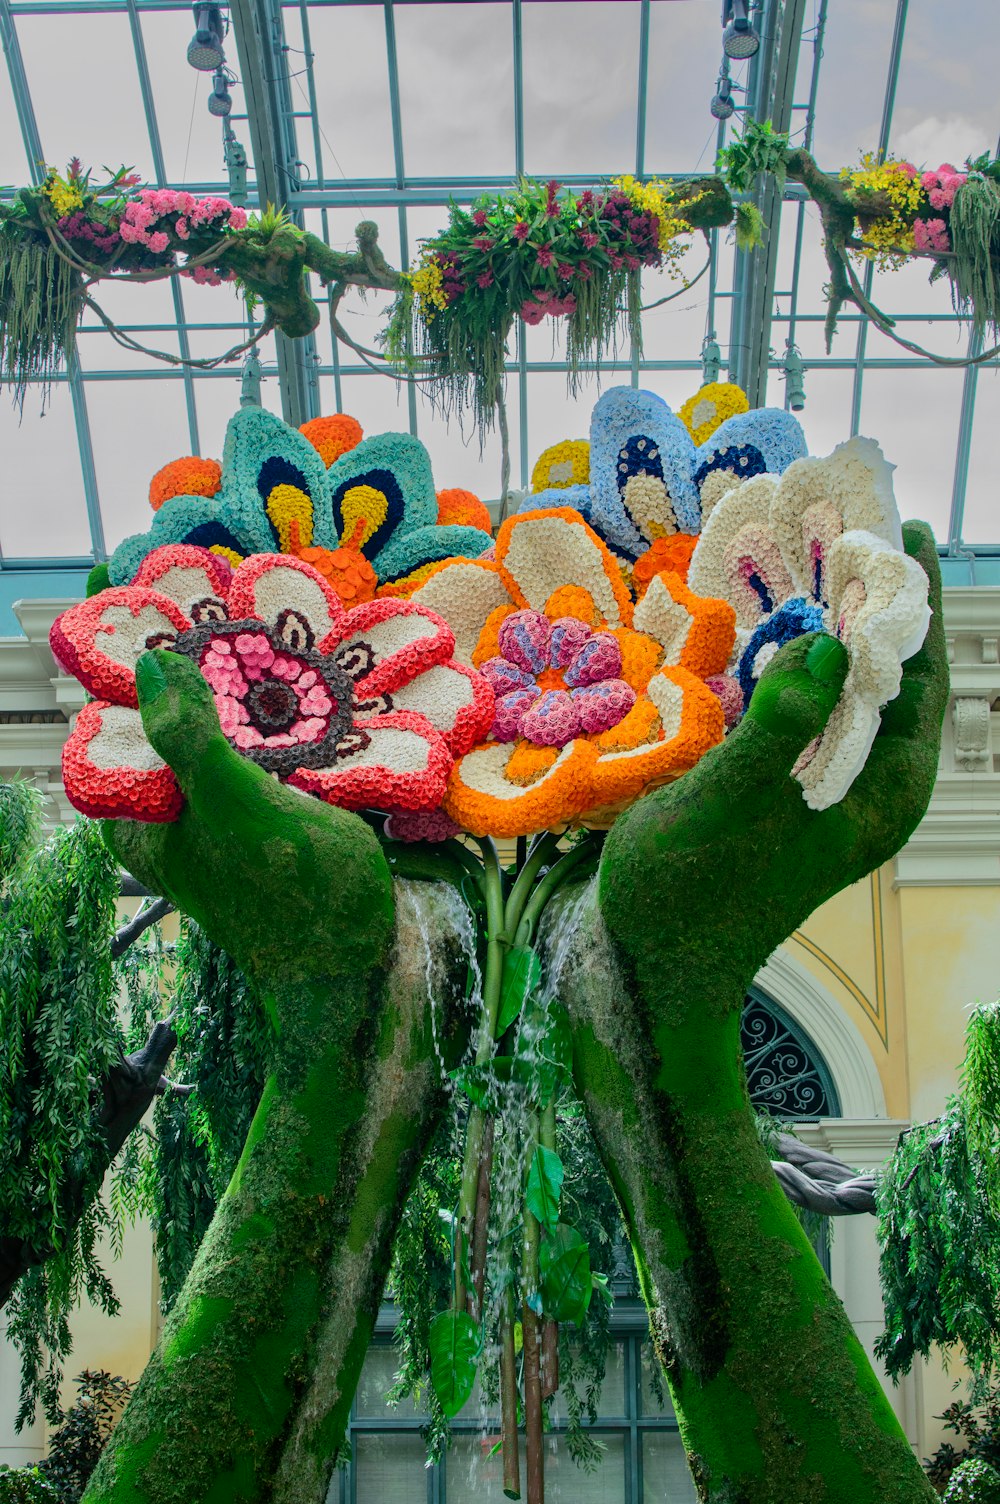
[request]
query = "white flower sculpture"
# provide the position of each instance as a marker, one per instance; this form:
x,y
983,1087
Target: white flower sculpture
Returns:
x,y
820,547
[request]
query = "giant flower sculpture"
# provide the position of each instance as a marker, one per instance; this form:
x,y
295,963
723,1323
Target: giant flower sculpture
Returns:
x,y
820,549
597,700
362,512
363,708
644,485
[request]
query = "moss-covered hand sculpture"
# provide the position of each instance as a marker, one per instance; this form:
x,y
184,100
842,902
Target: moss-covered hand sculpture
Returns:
x,y
698,885
301,896
731,621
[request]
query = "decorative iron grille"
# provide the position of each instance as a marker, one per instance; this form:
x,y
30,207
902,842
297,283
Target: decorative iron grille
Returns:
x,y
786,1075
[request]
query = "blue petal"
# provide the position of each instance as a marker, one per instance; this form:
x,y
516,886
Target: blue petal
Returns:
x,y
792,619
576,497
764,439
630,432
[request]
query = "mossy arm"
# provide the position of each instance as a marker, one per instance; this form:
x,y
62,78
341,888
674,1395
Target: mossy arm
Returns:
x,y
299,894
698,884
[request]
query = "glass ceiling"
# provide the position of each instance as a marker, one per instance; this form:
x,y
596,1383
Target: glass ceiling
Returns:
x,y
388,111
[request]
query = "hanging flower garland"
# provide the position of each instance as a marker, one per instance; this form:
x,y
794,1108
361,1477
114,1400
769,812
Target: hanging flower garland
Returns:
x,y
535,253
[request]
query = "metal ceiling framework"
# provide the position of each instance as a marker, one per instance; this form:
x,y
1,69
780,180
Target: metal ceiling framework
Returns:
x,y
279,131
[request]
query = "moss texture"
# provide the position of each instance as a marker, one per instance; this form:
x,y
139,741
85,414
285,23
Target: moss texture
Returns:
x,y
698,884
300,895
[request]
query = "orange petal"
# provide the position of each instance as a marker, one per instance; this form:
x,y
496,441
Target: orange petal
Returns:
x,y
691,721
696,632
484,799
539,552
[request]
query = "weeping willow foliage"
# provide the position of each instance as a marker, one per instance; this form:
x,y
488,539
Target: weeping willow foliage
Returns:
x,y
222,1049
41,297
975,266
939,1224
58,1037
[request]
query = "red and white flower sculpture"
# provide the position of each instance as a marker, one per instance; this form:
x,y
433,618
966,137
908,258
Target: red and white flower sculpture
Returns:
x,y
364,708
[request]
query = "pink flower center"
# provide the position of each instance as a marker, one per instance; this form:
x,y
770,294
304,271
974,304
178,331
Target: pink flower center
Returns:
x,y
554,680
286,707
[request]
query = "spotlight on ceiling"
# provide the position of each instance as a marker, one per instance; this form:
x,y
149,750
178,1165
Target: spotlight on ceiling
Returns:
x,y
794,370
739,39
722,105
219,101
711,360
205,48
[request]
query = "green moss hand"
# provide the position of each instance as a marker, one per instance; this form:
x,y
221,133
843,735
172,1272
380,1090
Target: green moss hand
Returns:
x,y
699,883
300,895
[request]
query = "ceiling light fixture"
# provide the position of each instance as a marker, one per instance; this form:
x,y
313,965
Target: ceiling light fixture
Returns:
x,y
219,101
739,40
795,392
205,48
723,104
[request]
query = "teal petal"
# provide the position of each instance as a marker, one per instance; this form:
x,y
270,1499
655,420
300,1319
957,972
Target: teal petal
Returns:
x,y
261,453
398,468
425,545
182,519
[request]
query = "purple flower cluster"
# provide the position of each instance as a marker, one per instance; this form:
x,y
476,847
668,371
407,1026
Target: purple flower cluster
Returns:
x,y
78,227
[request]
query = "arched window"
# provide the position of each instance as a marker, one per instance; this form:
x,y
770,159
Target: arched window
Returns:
x,y
786,1074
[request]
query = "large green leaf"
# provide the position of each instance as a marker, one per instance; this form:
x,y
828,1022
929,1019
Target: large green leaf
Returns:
x,y
522,972
564,1267
453,1339
544,1187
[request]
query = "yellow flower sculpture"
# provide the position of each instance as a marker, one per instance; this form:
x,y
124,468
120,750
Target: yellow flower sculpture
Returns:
x,y
597,700
564,464
710,406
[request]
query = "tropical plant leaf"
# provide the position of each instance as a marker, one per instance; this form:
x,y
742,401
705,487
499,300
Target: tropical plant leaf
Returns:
x,y
545,1178
565,1277
522,972
454,1348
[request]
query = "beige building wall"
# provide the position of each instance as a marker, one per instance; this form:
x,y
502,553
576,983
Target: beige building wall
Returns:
x,y
881,978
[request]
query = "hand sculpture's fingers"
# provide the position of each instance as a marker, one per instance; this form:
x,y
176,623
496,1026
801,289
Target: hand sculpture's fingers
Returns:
x,y
271,874
796,693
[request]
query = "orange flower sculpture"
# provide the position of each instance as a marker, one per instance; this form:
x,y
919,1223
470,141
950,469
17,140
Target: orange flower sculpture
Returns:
x,y
597,700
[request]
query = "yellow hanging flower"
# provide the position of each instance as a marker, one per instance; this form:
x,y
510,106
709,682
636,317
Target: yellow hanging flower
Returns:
x,y
64,197
428,284
888,240
710,406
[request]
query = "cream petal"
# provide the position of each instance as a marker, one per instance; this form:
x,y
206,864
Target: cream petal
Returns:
x,y
197,580
463,593
539,552
665,619
404,765
111,771
100,640
457,701
819,498
738,529
267,586
386,643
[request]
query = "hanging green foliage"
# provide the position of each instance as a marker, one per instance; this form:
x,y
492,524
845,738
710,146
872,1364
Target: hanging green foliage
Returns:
x,y
58,1038
975,242
222,1046
41,299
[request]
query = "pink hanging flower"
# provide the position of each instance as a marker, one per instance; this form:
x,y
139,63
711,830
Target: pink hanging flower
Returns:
x,y
589,239
545,256
237,219
182,227
483,243
158,242
479,218
485,279
521,229
565,271
931,235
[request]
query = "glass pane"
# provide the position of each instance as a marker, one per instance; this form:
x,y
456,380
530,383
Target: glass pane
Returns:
x,y
473,1475
13,159
136,427
581,53
938,117
456,89
914,415
44,510
389,1469
565,1483
982,522
611,1404
377,1378
680,132
190,138
107,120
352,91
665,1475
855,58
